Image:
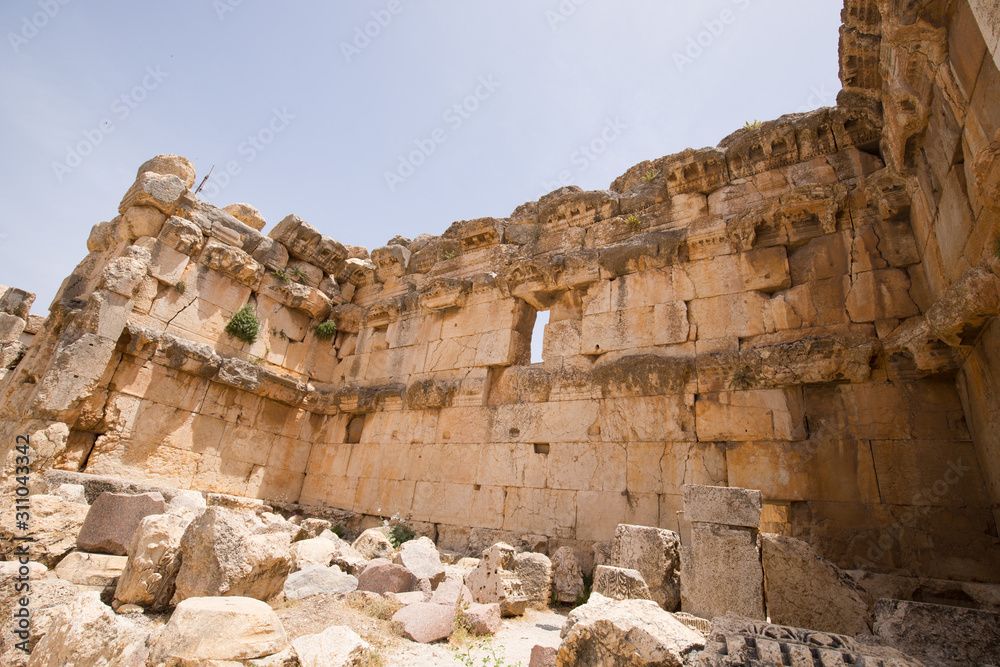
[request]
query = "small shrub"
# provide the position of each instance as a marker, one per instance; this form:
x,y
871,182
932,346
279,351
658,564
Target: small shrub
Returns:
x,y
244,325
743,379
338,530
372,657
400,529
380,608
281,275
181,286
649,176
326,330
753,125
255,361
996,246
450,254
299,275
634,222
473,651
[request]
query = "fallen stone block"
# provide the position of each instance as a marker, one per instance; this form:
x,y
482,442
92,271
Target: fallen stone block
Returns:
x,y
149,577
421,557
114,518
937,634
805,591
373,544
219,628
383,577
619,583
543,656
655,554
424,622
630,632
567,578
93,572
337,646
493,580
482,619
318,580
535,572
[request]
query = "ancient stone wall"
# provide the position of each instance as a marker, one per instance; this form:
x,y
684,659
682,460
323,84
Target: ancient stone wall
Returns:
x,y
808,309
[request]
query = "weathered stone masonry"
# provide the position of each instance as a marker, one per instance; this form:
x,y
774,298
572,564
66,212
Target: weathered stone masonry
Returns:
x,y
808,309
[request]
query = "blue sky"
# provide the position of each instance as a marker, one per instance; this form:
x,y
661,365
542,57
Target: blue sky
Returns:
x,y
376,117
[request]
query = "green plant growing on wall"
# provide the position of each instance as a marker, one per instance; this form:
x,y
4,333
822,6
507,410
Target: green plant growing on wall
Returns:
x,y
181,286
450,254
753,125
281,275
400,529
244,325
649,176
996,245
299,275
634,222
743,379
326,330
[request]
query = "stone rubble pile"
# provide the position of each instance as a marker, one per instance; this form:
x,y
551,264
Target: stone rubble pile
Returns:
x,y
214,573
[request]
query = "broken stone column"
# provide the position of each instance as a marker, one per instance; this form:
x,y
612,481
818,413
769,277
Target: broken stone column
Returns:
x,y
494,580
721,568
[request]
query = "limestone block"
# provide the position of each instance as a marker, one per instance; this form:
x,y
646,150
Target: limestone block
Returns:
x,y
113,520
55,523
318,580
421,557
543,656
16,302
632,632
879,295
87,632
938,634
722,572
232,262
620,583
312,551
219,628
182,235
494,580
95,572
774,414
304,242
722,505
123,275
296,295
272,255
424,622
373,543
337,646
143,221
804,590
452,591
223,552
154,558
246,214
166,264
106,235
567,579
156,191
535,572
167,164
733,315
654,553
11,328
48,599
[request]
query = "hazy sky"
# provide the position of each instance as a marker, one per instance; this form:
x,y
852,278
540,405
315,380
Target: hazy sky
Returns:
x,y
376,117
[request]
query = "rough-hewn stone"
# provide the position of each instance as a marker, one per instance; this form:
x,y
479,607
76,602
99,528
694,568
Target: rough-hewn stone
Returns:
x,y
113,520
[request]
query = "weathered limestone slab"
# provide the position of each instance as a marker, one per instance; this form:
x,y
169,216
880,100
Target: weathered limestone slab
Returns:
x,y
722,572
94,572
630,632
318,580
154,558
535,572
567,579
722,505
620,583
939,635
654,554
220,628
804,590
381,576
337,646
421,557
424,622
